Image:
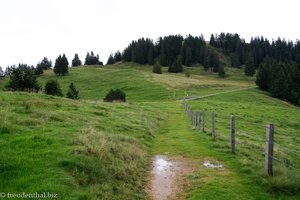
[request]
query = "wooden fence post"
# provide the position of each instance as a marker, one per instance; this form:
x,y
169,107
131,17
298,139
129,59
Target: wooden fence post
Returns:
x,y
232,136
189,113
195,119
213,133
203,121
198,120
269,150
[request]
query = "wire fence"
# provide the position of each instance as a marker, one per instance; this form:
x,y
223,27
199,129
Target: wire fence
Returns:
x,y
244,141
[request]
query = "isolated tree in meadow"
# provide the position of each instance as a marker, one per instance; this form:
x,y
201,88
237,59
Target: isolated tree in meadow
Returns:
x,y
61,65
23,78
53,88
157,68
110,60
72,92
76,61
115,95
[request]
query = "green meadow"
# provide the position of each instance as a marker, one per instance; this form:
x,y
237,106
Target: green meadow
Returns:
x,y
89,149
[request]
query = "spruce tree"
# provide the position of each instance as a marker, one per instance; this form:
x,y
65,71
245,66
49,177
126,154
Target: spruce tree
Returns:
x,y
110,60
250,68
163,59
87,59
214,62
150,57
221,72
53,88
22,78
188,57
157,68
1,72
45,63
279,86
176,66
212,41
39,69
76,61
115,95
117,57
61,65
72,92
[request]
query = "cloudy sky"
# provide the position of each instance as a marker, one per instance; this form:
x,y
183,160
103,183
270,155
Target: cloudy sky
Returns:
x,y
32,29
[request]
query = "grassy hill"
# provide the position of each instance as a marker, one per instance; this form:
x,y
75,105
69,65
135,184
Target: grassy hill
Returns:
x,y
88,149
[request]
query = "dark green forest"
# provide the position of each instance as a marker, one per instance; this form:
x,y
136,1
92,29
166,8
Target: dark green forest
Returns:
x,y
276,63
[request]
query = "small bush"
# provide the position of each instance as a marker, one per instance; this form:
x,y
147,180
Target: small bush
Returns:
x,y
52,87
157,68
115,95
72,93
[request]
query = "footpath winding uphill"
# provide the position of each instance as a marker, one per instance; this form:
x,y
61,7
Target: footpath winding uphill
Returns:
x,y
178,171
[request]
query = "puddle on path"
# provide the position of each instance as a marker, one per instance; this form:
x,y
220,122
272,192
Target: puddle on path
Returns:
x,y
208,164
164,178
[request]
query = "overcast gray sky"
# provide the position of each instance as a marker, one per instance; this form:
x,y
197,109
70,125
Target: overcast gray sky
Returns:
x,y
32,29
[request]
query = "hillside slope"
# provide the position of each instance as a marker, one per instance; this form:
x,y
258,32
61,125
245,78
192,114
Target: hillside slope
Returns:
x,y
74,148
88,149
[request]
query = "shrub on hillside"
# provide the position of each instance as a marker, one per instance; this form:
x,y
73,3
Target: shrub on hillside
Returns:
x,y
157,68
72,93
52,87
22,78
115,95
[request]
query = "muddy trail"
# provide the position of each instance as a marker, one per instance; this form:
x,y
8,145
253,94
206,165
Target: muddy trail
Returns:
x,y
166,177
184,165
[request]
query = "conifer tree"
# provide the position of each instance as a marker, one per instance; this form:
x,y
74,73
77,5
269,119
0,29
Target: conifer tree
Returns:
x,y
250,68
221,72
150,57
39,69
72,92
162,59
61,65
110,60
188,57
76,61
53,88
176,66
22,78
157,68
117,57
